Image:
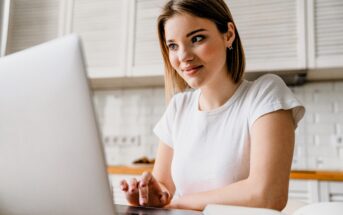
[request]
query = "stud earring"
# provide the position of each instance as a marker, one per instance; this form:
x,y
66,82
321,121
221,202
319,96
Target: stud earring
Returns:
x,y
230,48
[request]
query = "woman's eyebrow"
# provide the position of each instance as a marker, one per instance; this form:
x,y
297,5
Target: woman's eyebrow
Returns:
x,y
189,34
195,31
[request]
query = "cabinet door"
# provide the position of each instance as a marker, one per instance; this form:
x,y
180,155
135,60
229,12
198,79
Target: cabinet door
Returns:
x,y
1,26
325,30
298,190
331,191
272,32
32,22
304,190
145,56
102,25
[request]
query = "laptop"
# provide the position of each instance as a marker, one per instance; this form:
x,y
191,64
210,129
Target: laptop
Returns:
x,y
51,157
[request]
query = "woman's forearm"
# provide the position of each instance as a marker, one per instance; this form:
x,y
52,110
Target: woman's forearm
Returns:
x,y
241,193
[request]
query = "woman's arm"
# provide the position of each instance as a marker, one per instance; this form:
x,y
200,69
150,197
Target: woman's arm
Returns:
x,y
162,168
272,143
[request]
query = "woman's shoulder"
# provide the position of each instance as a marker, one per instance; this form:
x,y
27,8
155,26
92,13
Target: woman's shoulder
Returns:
x,y
268,80
185,98
269,83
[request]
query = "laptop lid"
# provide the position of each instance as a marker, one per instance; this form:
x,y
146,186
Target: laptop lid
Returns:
x,y
51,157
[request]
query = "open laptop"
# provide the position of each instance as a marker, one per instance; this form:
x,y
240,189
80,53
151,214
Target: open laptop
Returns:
x,y
51,157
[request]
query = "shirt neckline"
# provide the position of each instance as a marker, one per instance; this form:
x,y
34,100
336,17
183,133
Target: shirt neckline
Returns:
x,y
230,101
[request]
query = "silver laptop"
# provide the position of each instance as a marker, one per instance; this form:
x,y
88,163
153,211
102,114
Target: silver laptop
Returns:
x,y
51,157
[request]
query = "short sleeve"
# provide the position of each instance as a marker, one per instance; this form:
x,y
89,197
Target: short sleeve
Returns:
x,y
270,94
164,127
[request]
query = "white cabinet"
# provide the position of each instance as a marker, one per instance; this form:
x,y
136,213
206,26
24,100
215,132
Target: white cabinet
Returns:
x,y
272,33
331,191
120,36
304,190
311,191
145,55
102,25
325,33
1,24
31,22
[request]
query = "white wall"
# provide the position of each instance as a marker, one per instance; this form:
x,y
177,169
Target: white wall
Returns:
x,y
127,117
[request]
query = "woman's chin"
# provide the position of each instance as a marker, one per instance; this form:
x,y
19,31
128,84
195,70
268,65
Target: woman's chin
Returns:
x,y
194,84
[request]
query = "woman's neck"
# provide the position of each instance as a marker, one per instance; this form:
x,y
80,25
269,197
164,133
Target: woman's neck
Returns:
x,y
217,93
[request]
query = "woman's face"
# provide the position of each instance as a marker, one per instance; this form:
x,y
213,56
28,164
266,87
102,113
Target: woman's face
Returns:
x,y
197,50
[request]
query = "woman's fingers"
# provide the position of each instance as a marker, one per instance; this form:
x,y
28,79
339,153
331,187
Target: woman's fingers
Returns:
x,y
143,195
145,192
124,186
164,198
146,178
144,188
131,191
133,186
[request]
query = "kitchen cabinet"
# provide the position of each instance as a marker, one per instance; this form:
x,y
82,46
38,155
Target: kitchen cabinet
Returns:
x,y
325,33
272,33
102,25
304,190
120,36
29,23
145,56
331,191
1,24
311,191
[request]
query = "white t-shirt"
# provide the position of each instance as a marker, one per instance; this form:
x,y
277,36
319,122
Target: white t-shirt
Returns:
x,y
212,148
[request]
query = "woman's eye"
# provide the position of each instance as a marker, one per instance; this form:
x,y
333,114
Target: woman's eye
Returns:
x,y
172,46
197,38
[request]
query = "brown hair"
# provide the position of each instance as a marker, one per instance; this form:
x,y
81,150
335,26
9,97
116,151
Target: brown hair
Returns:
x,y
214,10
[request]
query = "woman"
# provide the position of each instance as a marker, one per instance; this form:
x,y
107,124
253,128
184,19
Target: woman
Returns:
x,y
228,141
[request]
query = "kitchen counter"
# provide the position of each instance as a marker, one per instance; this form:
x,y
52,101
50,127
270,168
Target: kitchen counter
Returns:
x,y
298,174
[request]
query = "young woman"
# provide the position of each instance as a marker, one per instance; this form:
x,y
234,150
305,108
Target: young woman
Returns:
x,y
227,141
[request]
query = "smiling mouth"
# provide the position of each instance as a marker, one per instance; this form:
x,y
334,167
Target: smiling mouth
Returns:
x,y
192,70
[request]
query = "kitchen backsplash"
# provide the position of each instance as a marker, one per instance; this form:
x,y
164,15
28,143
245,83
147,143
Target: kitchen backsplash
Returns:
x,y
127,117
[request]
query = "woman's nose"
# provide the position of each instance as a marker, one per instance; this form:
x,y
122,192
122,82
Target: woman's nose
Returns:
x,y
185,54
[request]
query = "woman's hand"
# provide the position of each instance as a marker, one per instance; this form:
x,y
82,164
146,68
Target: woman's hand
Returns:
x,y
145,192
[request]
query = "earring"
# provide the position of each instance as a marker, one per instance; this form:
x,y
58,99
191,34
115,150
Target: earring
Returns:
x,y
230,48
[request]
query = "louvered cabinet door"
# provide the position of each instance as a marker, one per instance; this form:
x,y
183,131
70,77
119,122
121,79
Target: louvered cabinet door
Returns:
x,y
300,190
31,23
331,191
325,29
145,55
102,27
272,32
1,27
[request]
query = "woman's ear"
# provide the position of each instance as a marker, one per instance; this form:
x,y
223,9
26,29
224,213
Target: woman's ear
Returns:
x,y
230,35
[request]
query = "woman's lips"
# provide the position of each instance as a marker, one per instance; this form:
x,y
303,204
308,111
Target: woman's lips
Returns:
x,y
192,70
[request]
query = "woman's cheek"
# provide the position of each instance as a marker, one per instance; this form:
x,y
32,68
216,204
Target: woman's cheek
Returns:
x,y
208,52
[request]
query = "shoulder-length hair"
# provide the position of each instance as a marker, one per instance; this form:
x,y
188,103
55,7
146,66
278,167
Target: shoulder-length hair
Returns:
x,y
214,10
